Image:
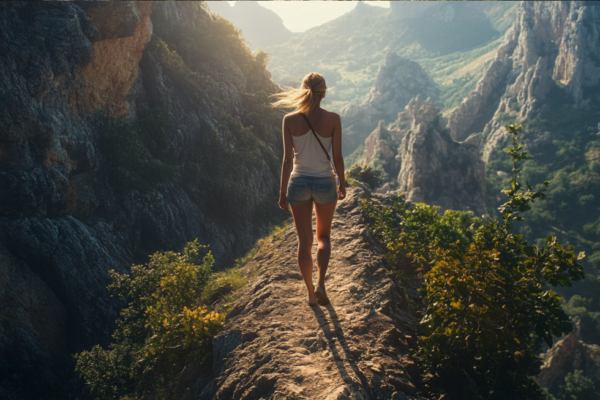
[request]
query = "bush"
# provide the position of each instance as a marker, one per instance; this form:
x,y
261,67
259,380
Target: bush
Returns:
x,y
486,303
366,174
163,328
412,233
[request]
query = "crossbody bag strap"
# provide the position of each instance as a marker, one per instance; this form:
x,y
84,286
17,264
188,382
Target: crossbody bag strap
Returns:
x,y
316,137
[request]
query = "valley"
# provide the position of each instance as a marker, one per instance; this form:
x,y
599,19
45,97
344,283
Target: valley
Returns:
x,y
122,139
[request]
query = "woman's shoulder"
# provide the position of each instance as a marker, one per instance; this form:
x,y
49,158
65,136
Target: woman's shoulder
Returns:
x,y
332,116
291,116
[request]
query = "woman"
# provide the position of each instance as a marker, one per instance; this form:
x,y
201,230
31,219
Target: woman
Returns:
x,y
313,178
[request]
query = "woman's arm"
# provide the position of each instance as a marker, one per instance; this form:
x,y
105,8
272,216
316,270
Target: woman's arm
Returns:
x,y
286,166
338,159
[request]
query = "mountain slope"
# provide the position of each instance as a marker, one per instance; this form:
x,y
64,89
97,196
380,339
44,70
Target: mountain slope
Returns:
x,y
349,49
261,26
117,139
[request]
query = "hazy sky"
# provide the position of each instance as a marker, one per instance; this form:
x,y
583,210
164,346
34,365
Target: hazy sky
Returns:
x,y
299,16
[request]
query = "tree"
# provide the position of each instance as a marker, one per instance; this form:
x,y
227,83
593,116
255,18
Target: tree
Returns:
x,y
488,308
577,387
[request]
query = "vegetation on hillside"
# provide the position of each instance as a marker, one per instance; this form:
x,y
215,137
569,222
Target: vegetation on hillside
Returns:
x,y
164,327
136,152
225,152
577,387
365,174
174,305
486,302
566,148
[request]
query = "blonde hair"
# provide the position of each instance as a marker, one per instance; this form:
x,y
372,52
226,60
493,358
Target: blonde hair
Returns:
x,y
306,98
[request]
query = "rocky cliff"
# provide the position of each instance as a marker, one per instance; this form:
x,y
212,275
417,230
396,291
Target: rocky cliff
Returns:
x,y
418,152
550,54
114,144
436,169
398,80
565,357
359,347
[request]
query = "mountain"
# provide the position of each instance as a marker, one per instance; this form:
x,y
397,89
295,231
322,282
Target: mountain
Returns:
x,y
261,26
118,137
397,81
349,49
451,41
420,159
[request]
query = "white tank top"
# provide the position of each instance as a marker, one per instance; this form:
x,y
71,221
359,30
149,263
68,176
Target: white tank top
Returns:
x,y
309,157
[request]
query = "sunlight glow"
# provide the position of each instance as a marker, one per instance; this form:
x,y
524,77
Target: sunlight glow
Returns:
x,y
299,16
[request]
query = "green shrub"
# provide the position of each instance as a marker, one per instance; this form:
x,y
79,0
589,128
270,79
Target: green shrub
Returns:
x,y
412,233
488,308
486,303
163,328
366,174
566,149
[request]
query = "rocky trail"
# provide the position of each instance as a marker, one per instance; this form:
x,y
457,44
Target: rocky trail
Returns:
x,y
275,346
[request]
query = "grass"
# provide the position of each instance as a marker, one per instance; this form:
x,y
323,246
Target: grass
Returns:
x,y
234,276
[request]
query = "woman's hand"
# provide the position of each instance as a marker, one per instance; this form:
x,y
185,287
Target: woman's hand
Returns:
x,y
283,204
341,192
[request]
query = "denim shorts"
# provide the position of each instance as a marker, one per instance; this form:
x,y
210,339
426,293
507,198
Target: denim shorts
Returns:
x,y
321,190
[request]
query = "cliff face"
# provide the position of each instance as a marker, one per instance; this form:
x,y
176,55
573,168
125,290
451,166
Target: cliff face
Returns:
x,y
428,164
551,45
436,169
383,144
64,221
565,357
397,81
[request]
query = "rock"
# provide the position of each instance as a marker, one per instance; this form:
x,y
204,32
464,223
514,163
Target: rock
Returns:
x,y
219,292
397,81
382,144
113,20
384,189
125,29
63,221
436,169
222,345
565,357
354,348
549,44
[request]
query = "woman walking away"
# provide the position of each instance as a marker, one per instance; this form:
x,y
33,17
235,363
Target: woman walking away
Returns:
x,y
309,132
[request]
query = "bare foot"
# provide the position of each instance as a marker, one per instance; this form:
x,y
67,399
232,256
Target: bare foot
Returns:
x,y
321,296
312,299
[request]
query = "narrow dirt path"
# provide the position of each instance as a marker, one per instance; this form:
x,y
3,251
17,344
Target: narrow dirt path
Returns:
x,y
276,346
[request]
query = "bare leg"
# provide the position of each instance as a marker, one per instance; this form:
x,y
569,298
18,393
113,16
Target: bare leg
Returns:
x,y
303,220
324,218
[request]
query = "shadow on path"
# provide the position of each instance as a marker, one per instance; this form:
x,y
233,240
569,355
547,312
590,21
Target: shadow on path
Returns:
x,y
340,346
